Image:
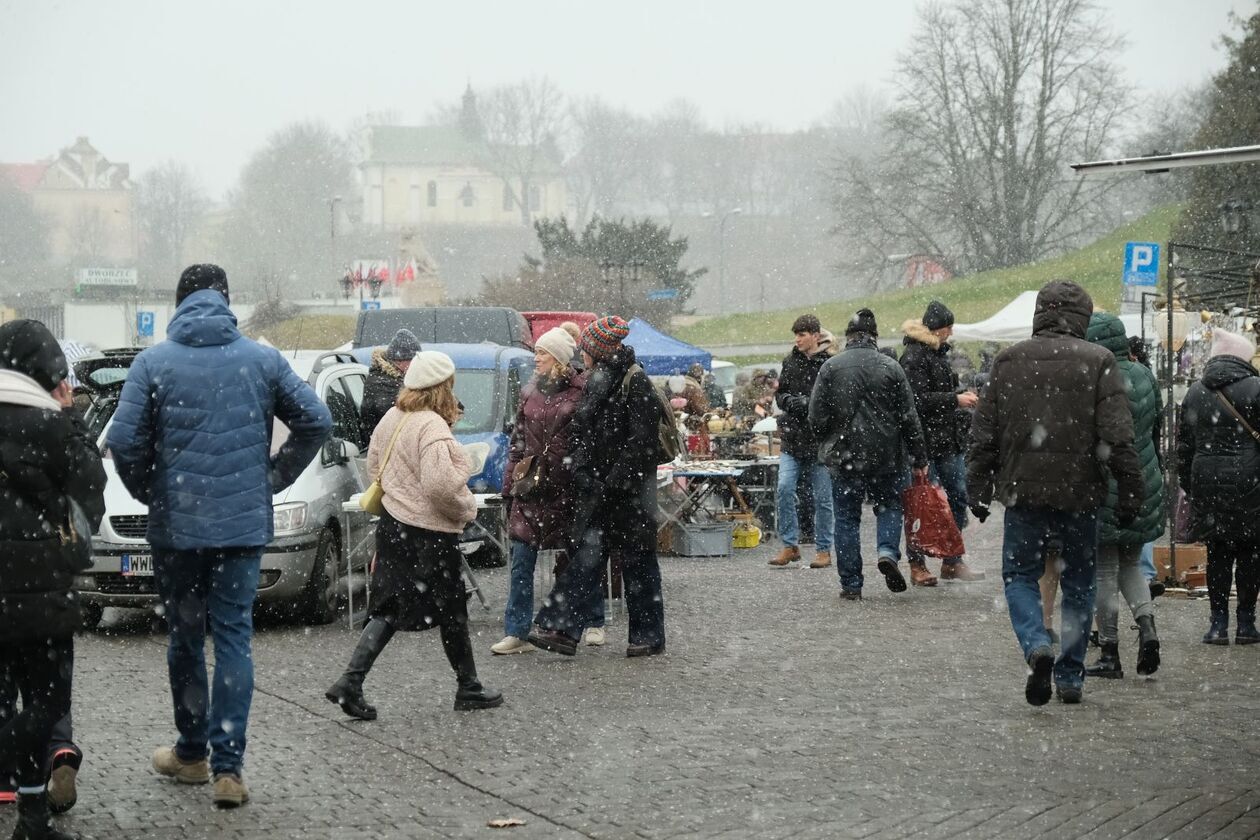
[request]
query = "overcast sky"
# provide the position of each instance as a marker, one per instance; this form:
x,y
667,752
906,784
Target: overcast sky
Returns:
x,y
206,83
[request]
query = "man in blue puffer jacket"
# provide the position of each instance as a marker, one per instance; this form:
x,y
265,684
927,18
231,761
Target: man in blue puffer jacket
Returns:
x,y
192,440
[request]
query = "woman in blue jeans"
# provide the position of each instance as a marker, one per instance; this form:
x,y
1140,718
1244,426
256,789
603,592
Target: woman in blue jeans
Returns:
x,y
538,483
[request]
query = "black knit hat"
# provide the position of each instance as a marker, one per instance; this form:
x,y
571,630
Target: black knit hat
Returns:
x,y
198,277
806,324
863,321
403,346
937,316
27,346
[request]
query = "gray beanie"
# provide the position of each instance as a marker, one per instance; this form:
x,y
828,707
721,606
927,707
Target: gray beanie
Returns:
x,y
403,346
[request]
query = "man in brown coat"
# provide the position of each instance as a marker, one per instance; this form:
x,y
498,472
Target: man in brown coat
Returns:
x,y
1052,423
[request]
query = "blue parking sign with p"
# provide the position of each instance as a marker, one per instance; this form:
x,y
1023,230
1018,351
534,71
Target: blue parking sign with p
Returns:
x,y
1141,264
144,324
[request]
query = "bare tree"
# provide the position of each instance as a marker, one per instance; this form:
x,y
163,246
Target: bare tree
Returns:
x,y
609,155
522,124
994,98
170,204
88,235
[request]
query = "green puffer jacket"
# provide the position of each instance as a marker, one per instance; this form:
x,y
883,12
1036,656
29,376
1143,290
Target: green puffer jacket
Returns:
x,y
1144,401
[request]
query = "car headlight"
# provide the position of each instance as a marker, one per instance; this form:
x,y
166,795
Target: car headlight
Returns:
x,y
289,517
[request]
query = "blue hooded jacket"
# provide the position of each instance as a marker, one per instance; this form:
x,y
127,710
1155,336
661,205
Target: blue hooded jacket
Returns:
x,y
192,434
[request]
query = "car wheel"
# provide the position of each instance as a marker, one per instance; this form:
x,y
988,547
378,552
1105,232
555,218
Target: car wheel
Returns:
x,y
319,599
91,616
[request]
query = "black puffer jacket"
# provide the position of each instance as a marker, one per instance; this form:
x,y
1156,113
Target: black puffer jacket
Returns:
x,y
45,458
384,381
1054,418
863,413
1218,462
613,443
935,386
796,383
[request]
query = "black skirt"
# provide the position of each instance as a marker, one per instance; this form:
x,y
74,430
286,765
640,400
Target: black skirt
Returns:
x,y
418,580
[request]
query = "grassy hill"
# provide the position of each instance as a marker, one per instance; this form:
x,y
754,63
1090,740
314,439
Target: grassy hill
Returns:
x,y
1097,267
307,332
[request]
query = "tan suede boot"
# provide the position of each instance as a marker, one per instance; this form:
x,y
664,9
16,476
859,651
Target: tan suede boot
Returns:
x,y
919,574
789,554
821,560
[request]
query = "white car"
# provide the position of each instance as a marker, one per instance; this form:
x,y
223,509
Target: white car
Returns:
x,y
305,564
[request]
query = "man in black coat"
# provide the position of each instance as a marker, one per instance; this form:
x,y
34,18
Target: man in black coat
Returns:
x,y
614,447
46,462
800,447
862,411
1052,423
934,382
384,380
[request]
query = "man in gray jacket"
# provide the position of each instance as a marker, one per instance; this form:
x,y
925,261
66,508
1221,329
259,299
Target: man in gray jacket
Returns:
x,y
862,411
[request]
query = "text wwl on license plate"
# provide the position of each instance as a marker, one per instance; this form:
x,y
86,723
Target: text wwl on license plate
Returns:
x,y
137,565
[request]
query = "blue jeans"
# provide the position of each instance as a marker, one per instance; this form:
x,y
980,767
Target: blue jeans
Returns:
x,y
824,520
884,493
520,600
1146,562
215,587
1026,533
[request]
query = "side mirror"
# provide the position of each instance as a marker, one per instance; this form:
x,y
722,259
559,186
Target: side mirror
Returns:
x,y
334,453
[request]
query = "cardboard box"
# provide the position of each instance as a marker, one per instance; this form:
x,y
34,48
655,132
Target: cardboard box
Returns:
x,y
1188,555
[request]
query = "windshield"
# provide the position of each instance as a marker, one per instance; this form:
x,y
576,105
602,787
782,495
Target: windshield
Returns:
x,y
475,389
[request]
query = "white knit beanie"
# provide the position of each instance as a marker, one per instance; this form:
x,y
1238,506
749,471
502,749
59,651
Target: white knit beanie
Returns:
x,y
428,368
558,344
1225,343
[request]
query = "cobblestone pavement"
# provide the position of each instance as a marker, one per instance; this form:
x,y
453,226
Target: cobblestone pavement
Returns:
x,y
779,711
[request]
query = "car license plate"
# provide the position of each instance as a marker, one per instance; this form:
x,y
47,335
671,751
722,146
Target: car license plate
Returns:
x,y
137,565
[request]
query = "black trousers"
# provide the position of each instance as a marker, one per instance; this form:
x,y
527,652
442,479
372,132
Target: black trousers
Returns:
x,y
41,671
1233,560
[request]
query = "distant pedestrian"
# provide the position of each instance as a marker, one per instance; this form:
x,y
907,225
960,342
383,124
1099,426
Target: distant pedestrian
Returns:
x,y
862,411
1120,547
542,497
192,440
417,580
1218,459
47,462
800,448
942,412
615,451
1052,423
385,379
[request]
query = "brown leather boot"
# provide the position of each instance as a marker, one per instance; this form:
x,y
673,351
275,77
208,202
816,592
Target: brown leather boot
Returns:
x,y
919,574
789,554
960,571
821,560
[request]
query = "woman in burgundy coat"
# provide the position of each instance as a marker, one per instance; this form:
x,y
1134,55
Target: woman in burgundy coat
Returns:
x,y
537,482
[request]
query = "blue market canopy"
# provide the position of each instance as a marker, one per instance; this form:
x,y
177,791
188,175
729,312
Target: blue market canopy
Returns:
x,y
660,354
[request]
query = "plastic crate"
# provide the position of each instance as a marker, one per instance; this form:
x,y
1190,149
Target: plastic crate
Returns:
x,y
710,539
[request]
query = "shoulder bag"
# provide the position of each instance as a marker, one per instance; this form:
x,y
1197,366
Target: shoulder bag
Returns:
x,y
372,499
528,472
1229,406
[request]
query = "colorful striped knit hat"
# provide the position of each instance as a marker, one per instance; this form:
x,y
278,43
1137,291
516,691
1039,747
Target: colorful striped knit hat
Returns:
x,y
602,337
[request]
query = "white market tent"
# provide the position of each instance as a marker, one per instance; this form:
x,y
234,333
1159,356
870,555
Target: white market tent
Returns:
x,y
1014,321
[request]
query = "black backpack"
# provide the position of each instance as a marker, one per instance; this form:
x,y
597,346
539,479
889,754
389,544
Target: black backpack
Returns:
x,y
669,443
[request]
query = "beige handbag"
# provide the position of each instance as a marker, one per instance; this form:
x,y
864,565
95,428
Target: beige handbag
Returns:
x,y
372,499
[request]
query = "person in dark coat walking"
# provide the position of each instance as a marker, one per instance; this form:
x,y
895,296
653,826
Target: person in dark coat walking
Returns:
x,y
542,502
385,380
47,461
417,580
615,451
192,440
1120,547
800,448
942,412
1218,461
1052,423
862,411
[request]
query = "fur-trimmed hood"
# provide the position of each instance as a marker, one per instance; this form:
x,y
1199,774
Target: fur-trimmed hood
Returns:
x,y
383,365
916,332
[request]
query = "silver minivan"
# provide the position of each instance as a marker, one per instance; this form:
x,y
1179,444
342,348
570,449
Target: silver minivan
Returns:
x,y
305,567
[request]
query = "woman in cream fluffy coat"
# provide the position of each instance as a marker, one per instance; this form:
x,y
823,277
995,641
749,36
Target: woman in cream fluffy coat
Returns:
x,y
417,581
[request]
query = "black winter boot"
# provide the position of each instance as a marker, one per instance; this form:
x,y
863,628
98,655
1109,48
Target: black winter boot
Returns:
x,y
1246,632
1108,664
1148,646
1218,632
34,822
347,692
471,694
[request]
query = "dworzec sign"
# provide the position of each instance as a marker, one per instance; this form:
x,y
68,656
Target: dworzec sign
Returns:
x,y
106,277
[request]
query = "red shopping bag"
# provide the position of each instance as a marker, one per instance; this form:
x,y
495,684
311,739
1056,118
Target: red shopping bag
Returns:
x,y
930,526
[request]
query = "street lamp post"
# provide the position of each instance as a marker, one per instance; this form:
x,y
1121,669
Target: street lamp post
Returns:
x,y
332,216
723,217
